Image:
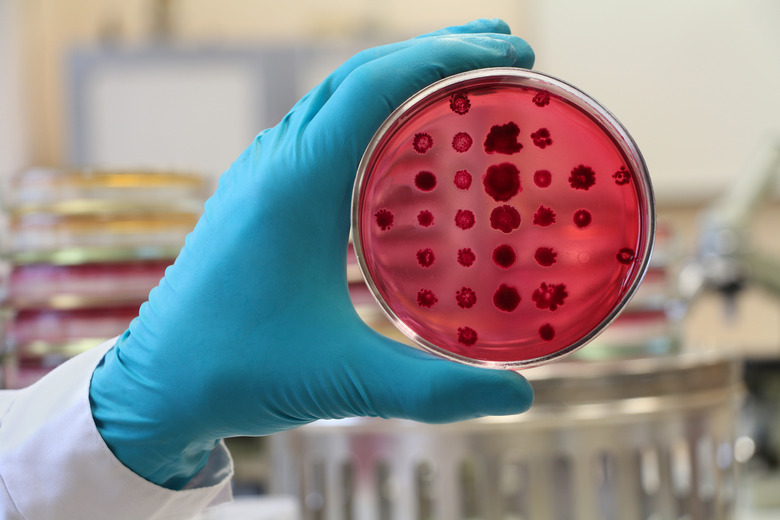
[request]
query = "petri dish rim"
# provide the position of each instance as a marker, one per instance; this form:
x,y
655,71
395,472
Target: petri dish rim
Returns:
x,y
526,79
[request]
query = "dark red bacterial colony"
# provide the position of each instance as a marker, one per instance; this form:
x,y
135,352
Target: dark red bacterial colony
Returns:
x,y
542,98
582,178
467,336
547,332
462,142
544,216
425,218
384,219
625,255
542,178
502,181
422,142
541,138
464,219
503,139
504,256
462,180
425,257
621,176
425,181
466,257
506,298
459,103
466,297
549,296
582,218
545,256
505,218
426,298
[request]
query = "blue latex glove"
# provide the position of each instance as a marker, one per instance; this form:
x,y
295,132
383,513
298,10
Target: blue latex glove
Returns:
x,y
252,330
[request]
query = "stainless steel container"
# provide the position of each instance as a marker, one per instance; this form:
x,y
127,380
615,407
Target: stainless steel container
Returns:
x,y
642,439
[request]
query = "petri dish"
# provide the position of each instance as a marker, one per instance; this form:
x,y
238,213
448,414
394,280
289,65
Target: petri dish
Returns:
x,y
109,284
52,231
65,186
502,218
31,327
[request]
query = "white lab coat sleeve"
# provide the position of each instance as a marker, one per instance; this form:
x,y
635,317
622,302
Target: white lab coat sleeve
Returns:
x,y
55,464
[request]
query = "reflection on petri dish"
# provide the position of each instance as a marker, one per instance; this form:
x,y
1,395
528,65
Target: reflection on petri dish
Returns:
x,y
502,218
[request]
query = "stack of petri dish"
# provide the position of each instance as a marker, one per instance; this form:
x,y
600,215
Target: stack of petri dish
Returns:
x,y
85,247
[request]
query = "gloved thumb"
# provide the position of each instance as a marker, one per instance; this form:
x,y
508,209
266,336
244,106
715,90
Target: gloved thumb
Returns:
x,y
400,381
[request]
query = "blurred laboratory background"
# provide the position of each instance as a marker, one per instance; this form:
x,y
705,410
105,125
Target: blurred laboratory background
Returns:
x,y
110,110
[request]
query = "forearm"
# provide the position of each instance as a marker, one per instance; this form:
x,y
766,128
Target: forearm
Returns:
x,y
55,464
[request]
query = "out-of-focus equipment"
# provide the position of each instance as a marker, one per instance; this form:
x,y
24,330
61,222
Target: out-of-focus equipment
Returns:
x,y
728,261
84,248
621,440
726,258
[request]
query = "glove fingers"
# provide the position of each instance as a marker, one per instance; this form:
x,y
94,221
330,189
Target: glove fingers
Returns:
x,y
372,91
318,96
474,27
398,381
482,25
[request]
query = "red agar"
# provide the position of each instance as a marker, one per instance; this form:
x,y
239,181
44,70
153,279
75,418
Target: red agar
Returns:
x,y
504,256
464,219
466,297
466,257
547,332
505,218
425,181
549,296
506,298
544,216
422,142
426,298
542,178
462,142
384,219
425,257
621,176
462,180
541,98
459,103
545,256
625,255
467,336
502,181
582,218
524,195
425,218
582,177
541,138
503,139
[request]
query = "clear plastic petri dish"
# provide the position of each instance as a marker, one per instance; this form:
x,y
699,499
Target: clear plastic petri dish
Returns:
x,y
502,218
64,287
51,231
49,187
31,327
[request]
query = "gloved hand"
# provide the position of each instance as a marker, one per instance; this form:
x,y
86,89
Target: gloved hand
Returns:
x,y
252,330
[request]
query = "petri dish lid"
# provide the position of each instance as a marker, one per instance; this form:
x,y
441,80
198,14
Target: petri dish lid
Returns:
x,y
89,255
502,218
64,187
